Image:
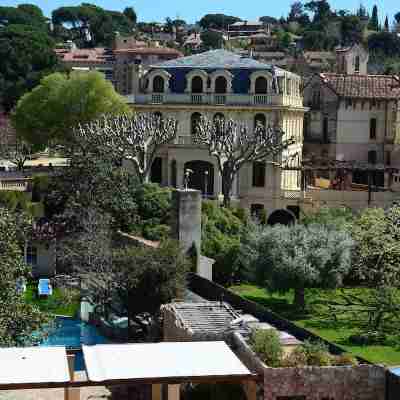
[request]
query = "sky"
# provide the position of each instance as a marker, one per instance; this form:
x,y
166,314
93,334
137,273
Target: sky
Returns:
x,y
193,10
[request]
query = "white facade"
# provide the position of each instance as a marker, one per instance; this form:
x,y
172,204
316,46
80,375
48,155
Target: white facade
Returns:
x,y
248,92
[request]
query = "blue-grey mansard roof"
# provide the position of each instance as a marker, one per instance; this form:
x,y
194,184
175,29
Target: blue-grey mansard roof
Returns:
x,y
240,67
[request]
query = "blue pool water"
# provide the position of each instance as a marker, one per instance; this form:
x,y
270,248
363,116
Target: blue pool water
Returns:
x,y
72,333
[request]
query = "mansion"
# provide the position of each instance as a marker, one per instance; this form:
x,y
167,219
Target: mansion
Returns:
x,y
221,84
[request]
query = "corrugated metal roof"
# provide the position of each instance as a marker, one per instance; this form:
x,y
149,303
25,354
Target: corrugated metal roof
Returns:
x,y
210,317
164,360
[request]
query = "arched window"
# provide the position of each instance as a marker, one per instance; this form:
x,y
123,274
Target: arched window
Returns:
x,y
261,85
357,64
219,117
221,85
197,85
260,119
158,84
194,121
158,115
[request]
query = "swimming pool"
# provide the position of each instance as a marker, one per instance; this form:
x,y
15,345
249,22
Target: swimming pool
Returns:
x,y
72,333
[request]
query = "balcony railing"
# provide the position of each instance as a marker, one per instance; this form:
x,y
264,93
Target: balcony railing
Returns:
x,y
15,185
197,99
262,99
220,99
257,100
157,98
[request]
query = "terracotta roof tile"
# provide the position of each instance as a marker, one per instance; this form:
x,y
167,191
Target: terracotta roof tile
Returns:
x,y
364,86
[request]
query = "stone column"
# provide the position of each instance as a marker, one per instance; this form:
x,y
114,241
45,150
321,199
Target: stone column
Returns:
x,y
173,392
186,221
179,174
156,391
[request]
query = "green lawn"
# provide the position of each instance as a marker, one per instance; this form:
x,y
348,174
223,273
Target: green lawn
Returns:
x,y
56,304
320,322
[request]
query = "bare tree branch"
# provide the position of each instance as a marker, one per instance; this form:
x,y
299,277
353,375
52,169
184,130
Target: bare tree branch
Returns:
x,y
136,138
233,145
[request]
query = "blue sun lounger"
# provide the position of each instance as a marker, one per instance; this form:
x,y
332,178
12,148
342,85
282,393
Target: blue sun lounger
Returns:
x,y
44,287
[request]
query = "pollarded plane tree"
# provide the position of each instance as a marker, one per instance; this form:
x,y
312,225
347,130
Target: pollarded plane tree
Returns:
x,y
233,145
12,147
134,138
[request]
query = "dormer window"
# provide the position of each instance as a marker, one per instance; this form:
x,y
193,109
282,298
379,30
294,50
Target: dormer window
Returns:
x,y
221,82
197,85
221,85
158,84
158,81
196,81
260,82
261,85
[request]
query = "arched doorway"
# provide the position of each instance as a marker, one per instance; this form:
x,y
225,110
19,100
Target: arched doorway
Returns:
x,y
197,85
283,217
221,85
202,177
156,171
158,84
194,122
261,85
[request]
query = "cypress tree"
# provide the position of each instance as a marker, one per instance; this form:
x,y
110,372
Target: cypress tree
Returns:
x,y
374,21
387,24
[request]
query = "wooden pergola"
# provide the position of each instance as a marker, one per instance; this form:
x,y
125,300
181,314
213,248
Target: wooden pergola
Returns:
x,y
318,164
157,364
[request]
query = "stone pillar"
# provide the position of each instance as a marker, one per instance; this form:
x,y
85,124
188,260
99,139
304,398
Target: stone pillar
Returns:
x,y
186,220
173,392
179,174
71,393
217,183
156,391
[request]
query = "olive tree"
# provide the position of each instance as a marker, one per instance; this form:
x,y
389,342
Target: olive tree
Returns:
x,y
233,145
298,257
134,138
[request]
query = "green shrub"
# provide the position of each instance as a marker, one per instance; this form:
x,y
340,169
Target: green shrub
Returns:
x,y
296,358
345,359
222,231
317,353
267,346
155,232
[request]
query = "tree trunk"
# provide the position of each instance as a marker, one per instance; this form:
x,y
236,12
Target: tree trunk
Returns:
x,y
226,187
299,298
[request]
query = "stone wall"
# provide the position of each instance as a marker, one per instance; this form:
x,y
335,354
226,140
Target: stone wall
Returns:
x,y
363,382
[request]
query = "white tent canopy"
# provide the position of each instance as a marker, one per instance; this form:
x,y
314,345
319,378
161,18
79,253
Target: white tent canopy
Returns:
x,y
162,361
33,366
114,364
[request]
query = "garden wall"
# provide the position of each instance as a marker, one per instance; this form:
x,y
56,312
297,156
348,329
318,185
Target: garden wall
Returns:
x,y
362,382
212,291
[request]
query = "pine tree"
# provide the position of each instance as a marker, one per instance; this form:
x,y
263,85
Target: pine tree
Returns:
x,y
374,21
